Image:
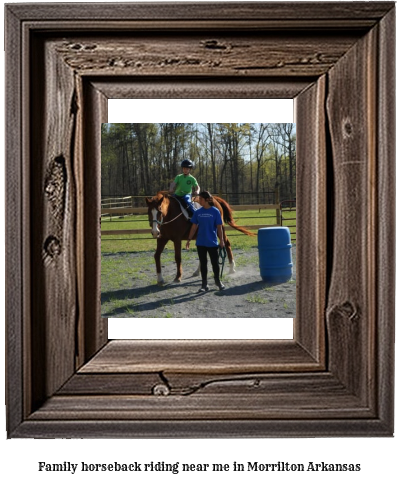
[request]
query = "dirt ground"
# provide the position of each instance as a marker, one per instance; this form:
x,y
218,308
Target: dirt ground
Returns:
x,y
136,294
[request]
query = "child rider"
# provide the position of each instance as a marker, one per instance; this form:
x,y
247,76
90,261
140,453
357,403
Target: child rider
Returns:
x,y
185,185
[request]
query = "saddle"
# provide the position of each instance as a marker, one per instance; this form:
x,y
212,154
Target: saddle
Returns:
x,y
186,210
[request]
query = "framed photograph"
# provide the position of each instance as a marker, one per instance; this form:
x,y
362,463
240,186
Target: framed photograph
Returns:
x,y
249,168
251,165
65,378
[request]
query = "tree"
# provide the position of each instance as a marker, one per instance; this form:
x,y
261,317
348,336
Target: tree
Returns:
x,y
140,159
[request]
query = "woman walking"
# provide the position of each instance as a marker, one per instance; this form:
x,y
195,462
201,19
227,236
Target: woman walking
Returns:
x,y
209,223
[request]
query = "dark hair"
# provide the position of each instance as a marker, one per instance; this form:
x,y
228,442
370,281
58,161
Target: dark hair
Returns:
x,y
207,196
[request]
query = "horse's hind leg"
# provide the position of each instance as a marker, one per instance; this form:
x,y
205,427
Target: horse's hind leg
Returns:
x,y
157,256
232,264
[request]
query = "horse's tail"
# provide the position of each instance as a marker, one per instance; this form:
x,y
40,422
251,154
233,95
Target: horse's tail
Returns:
x,y
228,216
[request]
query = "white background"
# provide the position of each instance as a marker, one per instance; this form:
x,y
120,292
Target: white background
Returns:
x,y
378,456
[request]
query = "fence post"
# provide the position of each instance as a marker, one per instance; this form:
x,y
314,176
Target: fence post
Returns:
x,y
279,220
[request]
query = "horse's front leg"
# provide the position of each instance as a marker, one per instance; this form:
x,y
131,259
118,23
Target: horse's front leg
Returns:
x,y
232,264
179,270
157,256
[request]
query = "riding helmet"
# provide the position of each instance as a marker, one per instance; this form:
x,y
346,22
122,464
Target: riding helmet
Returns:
x,y
187,163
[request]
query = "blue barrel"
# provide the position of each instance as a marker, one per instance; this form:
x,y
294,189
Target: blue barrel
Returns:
x,y
275,258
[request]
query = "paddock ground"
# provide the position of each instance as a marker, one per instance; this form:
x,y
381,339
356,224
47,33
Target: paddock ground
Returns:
x,y
129,288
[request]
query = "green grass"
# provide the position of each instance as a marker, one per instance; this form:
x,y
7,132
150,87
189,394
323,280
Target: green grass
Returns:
x,y
257,299
138,243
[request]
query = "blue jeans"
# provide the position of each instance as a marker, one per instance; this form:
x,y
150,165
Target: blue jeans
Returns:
x,y
187,199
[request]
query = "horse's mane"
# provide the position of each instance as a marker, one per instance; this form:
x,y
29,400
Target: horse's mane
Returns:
x,y
165,195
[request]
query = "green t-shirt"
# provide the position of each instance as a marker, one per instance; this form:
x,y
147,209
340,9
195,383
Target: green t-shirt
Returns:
x,y
185,184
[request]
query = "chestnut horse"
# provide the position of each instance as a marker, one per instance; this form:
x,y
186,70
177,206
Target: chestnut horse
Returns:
x,y
168,222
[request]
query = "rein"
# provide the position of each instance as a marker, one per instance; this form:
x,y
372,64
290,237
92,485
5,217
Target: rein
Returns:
x,y
222,258
161,222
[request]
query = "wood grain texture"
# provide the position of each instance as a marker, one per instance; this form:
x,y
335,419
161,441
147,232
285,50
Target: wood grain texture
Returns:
x,y
185,384
115,383
207,407
176,87
200,356
95,113
89,396
53,196
309,100
312,218
319,384
360,13
351,109
385,245
15,218
240,55
191,428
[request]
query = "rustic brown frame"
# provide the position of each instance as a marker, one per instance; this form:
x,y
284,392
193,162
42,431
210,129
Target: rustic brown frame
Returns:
x,y
336,376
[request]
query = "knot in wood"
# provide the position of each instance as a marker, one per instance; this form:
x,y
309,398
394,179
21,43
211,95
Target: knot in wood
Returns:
x,y
161,390
90,47
55,187
347,128
213,44
346,310
349,310
52,246
50,188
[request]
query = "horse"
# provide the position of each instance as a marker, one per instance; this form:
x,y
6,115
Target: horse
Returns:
x,y
168,222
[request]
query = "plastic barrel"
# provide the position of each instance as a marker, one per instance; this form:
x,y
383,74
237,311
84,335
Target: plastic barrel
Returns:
x,y
275,258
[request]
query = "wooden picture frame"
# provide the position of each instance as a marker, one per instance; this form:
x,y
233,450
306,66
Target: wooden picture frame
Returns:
x,y
335,378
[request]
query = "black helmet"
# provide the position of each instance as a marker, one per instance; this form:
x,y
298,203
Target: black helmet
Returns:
x,y
187,163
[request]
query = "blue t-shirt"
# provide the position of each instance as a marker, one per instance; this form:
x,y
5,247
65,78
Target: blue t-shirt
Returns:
x,y
207,221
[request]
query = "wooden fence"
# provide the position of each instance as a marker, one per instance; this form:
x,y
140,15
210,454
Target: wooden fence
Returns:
x,y
125,211
288,216
126,205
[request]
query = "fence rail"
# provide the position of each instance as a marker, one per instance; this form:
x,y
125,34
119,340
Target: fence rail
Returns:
x,y
123,211
126,206
125,201
134,201
288,208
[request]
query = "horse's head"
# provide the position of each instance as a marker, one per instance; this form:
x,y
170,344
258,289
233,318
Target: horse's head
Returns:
x,y
155,213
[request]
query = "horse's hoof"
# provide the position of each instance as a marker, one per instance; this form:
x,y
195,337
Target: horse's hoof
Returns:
x,y
196,274
161,283
177,280
232,271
